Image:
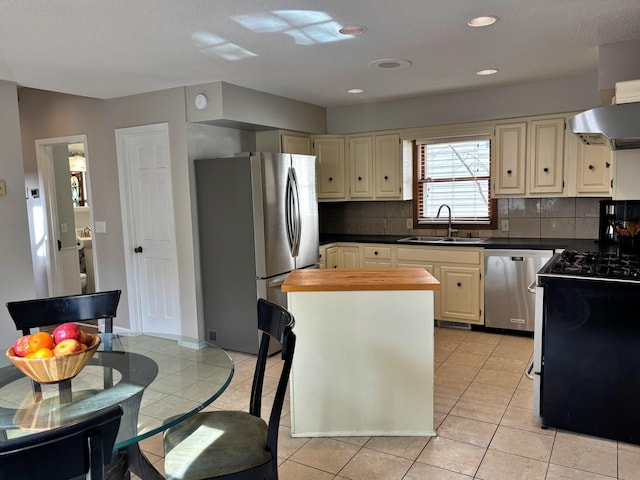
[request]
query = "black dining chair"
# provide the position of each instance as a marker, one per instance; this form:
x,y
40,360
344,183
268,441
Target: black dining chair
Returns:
x,y
236,444
63,453
46,312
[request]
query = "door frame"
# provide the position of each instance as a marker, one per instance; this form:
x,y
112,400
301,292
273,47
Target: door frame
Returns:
x,y
46,181
128,228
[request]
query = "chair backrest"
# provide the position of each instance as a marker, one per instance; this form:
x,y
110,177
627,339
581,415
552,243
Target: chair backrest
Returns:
x,y
273,321
65,452
43,312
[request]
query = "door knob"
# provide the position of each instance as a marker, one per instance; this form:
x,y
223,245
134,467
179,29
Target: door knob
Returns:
x,y
138,249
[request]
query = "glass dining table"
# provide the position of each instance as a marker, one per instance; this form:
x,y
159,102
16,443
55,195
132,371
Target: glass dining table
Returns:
x,y
157,381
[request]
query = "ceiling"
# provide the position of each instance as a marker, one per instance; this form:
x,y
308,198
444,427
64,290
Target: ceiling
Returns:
x,y
113,48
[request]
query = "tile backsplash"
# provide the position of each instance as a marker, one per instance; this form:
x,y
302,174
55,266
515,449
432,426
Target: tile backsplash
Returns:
x,y
527,217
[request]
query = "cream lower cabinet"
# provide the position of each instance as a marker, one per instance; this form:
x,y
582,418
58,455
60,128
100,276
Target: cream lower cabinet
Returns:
x,y
343,257
459,270
322,257
376,256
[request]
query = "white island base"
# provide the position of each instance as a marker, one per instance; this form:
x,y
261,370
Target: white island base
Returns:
x,y
363,363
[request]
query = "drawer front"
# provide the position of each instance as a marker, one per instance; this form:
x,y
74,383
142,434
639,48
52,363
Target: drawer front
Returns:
x,y
462,255
377,252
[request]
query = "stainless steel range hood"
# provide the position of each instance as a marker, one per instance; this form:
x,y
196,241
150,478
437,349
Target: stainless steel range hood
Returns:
x,y
615,125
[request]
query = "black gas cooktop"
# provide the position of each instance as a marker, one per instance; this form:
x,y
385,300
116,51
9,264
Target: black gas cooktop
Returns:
x,y
594,265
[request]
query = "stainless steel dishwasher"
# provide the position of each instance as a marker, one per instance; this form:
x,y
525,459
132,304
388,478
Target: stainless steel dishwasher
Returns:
x,y
508,302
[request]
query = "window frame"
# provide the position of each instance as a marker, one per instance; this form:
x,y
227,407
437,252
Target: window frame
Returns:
x,y
493,203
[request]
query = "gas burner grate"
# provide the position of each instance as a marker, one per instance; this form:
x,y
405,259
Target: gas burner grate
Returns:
x,y
594,264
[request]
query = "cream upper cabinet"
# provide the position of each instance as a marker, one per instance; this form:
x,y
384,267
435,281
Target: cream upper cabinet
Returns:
x,y
594,170
510,155
283,141
388,167
374,165
331,172
361,165
296,144
546,155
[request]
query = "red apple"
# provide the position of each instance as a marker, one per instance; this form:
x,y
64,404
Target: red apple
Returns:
x,y
21,347
66,331
65,347
85,337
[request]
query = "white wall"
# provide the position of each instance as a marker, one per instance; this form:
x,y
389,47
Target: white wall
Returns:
x,y
15,255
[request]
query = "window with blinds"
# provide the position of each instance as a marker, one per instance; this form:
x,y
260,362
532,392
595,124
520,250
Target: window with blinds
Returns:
x,y
456,173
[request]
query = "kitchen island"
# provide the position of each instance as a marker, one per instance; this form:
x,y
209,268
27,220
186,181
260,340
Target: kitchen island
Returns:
x,y
364,354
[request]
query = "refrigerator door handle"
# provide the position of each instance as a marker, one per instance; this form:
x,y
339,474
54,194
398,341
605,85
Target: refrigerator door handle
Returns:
x,y
296,218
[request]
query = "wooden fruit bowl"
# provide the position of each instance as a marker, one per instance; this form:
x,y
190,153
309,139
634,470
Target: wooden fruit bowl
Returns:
x,y
54,369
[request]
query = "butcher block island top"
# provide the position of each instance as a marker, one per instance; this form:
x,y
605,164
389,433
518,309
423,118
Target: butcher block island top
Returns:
x,y
359,279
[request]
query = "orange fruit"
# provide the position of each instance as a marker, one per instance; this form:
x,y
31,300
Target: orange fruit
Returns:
x,y
42,353
40,340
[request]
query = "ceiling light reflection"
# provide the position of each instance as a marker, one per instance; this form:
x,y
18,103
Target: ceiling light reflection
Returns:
x,y
488,71
213,44
306,27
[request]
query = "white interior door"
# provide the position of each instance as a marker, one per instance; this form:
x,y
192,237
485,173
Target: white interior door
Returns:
x,y
144,167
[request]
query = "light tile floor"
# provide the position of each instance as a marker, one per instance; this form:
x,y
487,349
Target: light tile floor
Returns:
x,y
485,429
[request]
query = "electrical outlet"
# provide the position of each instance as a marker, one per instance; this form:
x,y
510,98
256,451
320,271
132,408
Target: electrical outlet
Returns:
x,y
505,225
409,223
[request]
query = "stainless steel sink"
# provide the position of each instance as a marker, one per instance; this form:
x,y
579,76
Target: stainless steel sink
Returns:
x,y
418,239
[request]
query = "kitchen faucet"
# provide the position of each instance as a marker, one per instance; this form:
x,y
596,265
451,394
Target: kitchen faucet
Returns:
x,y
450,231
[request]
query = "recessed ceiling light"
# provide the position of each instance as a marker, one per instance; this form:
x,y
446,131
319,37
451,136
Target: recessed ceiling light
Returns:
x,y
391,63
483,21
355,91
352,30
488,71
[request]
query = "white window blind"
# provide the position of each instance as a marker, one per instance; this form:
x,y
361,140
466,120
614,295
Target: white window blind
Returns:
x,y
455,172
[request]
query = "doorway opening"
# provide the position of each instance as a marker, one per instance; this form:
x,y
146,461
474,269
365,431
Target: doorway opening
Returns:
x,y
66,247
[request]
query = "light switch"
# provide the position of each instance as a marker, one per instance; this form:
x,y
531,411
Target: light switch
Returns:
x,y
63,228
101,227
3,188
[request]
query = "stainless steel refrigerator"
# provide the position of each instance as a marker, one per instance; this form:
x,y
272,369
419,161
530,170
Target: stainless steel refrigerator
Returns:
x,y
258,221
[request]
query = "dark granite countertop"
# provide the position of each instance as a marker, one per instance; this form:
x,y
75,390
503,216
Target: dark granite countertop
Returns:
x,y
583,245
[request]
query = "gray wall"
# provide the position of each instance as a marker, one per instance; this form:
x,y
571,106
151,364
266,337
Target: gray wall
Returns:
x,y
535,98
49,114
15,256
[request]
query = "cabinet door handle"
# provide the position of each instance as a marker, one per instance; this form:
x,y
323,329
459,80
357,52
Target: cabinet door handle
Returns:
x,y
590,167
459,284
386,177
359,179
375,253
138,249
508,172
545,170
331,179
607,164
